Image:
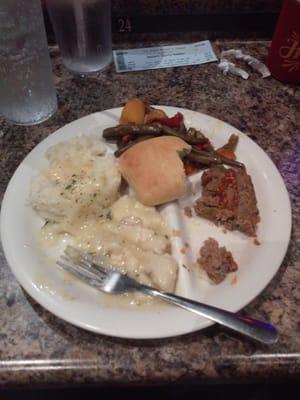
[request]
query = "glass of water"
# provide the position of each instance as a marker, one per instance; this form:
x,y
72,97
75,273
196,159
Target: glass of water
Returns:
x,y
27,92
83,32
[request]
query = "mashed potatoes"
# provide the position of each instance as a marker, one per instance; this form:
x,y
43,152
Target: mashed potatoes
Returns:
x,y
78,196
81,179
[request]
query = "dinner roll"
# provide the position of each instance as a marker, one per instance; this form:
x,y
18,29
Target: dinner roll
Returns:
x,y
154,170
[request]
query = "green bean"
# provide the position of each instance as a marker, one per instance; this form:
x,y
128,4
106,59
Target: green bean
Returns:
x,y
183,153
207,158
232,143
139,130
202,139
173,132
182,128
195,133
155,129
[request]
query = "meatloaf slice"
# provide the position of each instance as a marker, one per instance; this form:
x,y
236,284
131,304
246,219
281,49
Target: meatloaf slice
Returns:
x,y
216,261
228,198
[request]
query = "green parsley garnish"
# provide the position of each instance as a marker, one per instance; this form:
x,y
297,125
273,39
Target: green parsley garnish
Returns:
x,y
46,223
71,185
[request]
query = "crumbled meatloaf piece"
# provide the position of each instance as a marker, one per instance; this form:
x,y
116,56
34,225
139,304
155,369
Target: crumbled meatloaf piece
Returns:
x,y
188,212
216,261
228,198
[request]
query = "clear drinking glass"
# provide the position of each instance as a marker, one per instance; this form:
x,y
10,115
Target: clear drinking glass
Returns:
x,y
83,33
27,92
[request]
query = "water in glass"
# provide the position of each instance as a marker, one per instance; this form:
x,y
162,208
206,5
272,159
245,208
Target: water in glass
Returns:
x,y
27,92
83,32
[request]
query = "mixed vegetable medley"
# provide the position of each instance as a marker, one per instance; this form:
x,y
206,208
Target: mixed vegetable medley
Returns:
x,y
140,121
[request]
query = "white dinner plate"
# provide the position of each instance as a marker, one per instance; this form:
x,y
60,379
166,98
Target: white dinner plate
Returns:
x,y
80,305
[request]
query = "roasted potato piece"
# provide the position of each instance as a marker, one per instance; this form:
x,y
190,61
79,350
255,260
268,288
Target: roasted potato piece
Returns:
x,y
133,112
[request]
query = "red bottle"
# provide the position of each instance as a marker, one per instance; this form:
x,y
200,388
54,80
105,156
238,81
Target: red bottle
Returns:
x,y
284,54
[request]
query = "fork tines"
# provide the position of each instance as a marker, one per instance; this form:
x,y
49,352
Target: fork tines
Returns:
x,y
81,265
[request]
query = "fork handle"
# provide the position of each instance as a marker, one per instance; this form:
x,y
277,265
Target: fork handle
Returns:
x,y
258,330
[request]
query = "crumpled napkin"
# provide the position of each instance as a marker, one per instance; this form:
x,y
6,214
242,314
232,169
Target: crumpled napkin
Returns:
x,y
229,67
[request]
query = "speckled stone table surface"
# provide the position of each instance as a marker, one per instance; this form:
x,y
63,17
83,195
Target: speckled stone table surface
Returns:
x,y
37,348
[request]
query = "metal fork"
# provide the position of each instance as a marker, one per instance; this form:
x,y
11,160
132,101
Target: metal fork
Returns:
x,y
106,278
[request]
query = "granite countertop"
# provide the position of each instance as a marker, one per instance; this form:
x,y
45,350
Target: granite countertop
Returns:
x,y
37,348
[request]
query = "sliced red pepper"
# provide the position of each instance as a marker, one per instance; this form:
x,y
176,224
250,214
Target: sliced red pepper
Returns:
x,y
227,153
126,139
172,122
202,146
190,168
